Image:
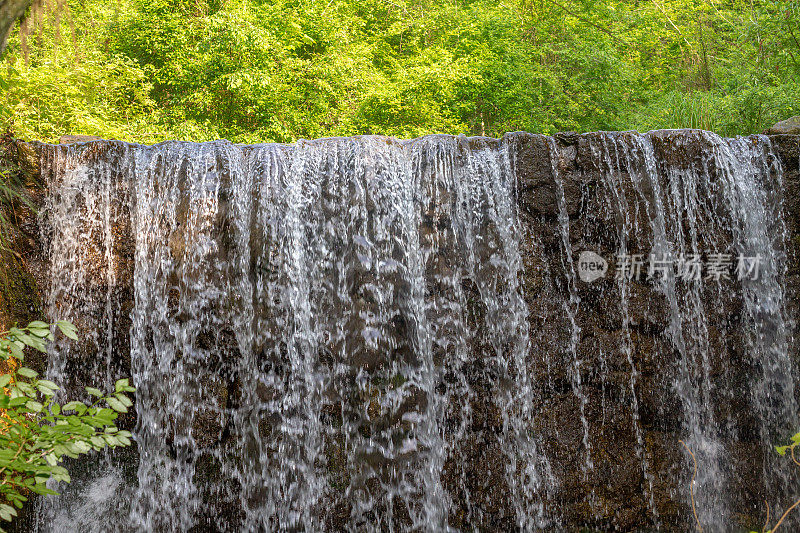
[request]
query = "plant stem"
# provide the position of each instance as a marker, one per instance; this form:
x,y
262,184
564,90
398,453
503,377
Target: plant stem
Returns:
x,y
691,486
784,515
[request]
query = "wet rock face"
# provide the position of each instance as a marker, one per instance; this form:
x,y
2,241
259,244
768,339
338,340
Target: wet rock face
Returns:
x,y
618,468
790,126
74,139
362,333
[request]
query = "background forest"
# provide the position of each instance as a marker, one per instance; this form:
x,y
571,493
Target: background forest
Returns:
x,y
256,70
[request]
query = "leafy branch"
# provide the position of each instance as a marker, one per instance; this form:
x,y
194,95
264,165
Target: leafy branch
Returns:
x,y
782,451
36,432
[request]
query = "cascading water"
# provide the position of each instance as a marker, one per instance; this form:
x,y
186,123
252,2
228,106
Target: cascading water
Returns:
x,y
310,305
571,306
367,334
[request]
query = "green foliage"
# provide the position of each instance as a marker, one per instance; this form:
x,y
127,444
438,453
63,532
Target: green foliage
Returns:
x,y
36,432
789,447
795,441
253,71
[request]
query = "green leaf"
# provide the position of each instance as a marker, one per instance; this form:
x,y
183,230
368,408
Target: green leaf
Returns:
x,y
45,391
82,446
25,388
46,387
79,407
43,490
94,392
120,385
124,400
61,476
16,402
116,405
781,449
27,372
105,416
38,324
48,384
67,329
796,438
7,512
57,433
16,351
41,333
33,342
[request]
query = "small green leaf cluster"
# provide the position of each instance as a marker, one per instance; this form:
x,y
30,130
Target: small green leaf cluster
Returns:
x,y
36,432
789,447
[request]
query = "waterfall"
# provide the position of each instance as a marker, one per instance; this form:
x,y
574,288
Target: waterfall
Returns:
x,y
368,334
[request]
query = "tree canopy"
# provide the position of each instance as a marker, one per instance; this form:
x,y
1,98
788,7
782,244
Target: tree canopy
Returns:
x,y
257,70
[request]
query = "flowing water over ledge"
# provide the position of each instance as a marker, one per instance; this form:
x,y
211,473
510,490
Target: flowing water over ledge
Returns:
x,y
369,334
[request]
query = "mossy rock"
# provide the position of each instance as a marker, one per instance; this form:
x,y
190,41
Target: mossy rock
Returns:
x,y
20,302
790,126
19,292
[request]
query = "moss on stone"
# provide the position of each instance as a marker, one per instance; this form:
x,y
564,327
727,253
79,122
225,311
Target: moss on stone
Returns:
x,y
19,292
20,302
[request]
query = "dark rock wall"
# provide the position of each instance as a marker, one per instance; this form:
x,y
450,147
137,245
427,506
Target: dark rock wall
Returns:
x,y
637,462
615,494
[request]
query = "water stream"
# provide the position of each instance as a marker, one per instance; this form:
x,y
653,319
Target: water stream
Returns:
x,y
335,335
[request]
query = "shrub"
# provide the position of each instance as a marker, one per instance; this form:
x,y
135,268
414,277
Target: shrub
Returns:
x,y
36,431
